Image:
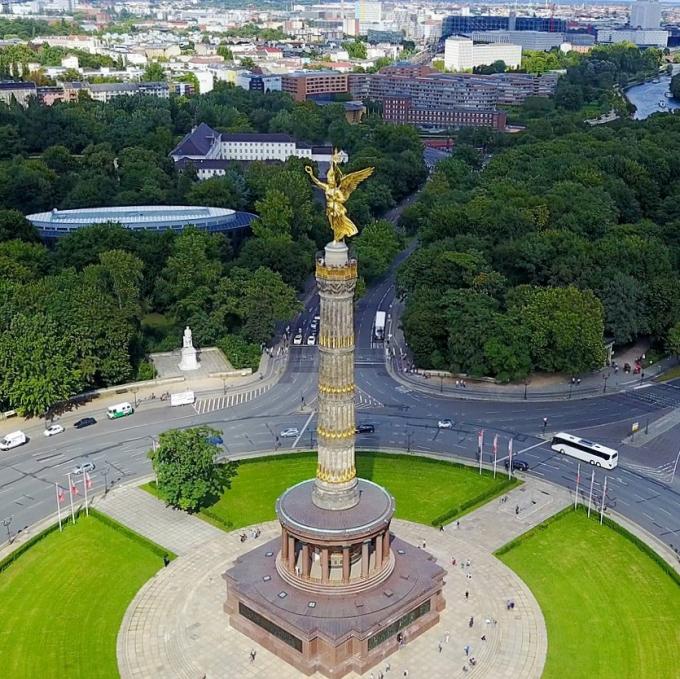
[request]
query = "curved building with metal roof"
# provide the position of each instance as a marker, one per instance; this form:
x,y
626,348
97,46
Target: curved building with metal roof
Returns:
x,y
58,223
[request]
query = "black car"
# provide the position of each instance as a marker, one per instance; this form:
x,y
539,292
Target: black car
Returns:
x,y
365,429
85,422
518,464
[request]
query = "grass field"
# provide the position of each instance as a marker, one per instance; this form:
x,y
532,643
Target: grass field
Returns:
x,y
63,601
610,611
423,488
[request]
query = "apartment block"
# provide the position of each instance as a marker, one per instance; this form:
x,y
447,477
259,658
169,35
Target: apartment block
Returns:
x,y
401,110
303,85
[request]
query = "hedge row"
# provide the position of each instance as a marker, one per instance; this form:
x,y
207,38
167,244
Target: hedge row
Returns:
x,y
11,558
482,498
66,523
610,523
145,542
215,518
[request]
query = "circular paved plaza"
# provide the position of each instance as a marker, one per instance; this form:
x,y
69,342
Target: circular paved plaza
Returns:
x,y
175,627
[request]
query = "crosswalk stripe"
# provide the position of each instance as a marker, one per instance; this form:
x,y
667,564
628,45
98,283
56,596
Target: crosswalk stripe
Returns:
x,y
210,404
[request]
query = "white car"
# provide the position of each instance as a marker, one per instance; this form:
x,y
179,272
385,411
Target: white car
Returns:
x,y
297,340
311,340
54,429
82,468
445,424
289,433
314,325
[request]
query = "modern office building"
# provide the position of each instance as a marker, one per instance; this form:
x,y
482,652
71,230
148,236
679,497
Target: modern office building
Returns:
x,y
17,91
645,14
456,24
639,37
58,223
462,54
258,82
528,40
303,85
211,152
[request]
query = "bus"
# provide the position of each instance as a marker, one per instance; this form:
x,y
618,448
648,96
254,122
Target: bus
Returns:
x,y
379,326
585,450
120,410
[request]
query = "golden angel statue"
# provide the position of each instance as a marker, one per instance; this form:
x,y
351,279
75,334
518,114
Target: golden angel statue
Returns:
x,y
338,188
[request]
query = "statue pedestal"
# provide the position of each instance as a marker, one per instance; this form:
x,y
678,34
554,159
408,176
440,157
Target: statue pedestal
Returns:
x,y
189,360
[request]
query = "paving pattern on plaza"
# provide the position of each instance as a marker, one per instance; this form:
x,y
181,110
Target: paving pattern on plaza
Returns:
x,y
175,627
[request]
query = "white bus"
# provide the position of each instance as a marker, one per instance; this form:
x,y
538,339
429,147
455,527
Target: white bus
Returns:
x,y
120,410
585,450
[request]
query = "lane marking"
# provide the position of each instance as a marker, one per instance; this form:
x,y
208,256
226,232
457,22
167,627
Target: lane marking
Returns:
x,y
302,431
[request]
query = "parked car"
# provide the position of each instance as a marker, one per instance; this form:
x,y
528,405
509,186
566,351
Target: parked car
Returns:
x,y
445,424
85,422
365,429
311,340
297,340
82,468
215,440
290,433
518,464
54,429
314,325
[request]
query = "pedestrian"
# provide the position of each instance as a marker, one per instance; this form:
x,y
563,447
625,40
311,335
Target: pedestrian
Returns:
x,y
453,561
467,595
464,385
440,646
423,544
483,637
468,575
457,383
371,676
516,510
578,381
388,667
457,524
472,621
166,560
466,648
465,668
253,653
441,527
405,673
447,637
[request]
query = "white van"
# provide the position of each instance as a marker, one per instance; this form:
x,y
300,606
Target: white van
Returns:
x,y
12,440
120,410
183,398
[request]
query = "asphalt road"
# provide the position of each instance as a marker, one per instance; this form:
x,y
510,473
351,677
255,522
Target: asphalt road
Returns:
x,y
404,419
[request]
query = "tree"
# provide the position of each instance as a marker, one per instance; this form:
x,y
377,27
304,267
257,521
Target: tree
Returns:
x,y
675,86
38,364
565,328
187,475
673,339
376,246
153,73
229,191
13,225
355,48
225,52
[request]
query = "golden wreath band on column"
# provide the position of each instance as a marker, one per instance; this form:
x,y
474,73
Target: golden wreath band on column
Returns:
x,y
331,390
331,476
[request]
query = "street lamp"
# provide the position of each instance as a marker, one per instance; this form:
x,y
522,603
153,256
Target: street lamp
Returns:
x,y
224,386
526,384
409,434
605,378
6,523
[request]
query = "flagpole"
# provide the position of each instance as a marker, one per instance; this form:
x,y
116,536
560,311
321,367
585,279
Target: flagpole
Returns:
x,y
481,448
578,479
56,490
604,492
87,509
510,460
70,496
590,496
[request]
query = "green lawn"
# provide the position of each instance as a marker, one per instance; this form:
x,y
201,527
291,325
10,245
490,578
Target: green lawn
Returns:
x,y
424,489
63,601
610,610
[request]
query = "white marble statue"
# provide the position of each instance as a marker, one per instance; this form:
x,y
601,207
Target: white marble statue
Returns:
x,y
189,359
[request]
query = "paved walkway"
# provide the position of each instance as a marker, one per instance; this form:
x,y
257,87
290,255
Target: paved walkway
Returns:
x,y
175,530
176,628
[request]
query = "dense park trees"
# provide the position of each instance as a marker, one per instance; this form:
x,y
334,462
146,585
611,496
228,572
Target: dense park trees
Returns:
x,y
106,296
555,245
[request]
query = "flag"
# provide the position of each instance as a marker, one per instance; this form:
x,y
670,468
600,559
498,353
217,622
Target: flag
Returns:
x,y
60,494
74,489
510,449
495,445
480,441
88,481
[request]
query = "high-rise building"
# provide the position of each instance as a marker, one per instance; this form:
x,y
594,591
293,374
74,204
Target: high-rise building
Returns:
x,y
368,11
645,14
461,54
453,25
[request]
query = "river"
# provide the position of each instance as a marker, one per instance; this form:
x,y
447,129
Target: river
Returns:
x,y
649,96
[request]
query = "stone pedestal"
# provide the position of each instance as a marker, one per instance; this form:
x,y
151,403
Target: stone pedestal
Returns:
x,y
189,360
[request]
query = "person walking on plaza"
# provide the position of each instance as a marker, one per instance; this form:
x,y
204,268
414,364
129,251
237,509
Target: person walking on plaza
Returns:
x,y
253,653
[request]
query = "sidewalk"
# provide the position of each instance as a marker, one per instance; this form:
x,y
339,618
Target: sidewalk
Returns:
x,y
539,387
270,370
